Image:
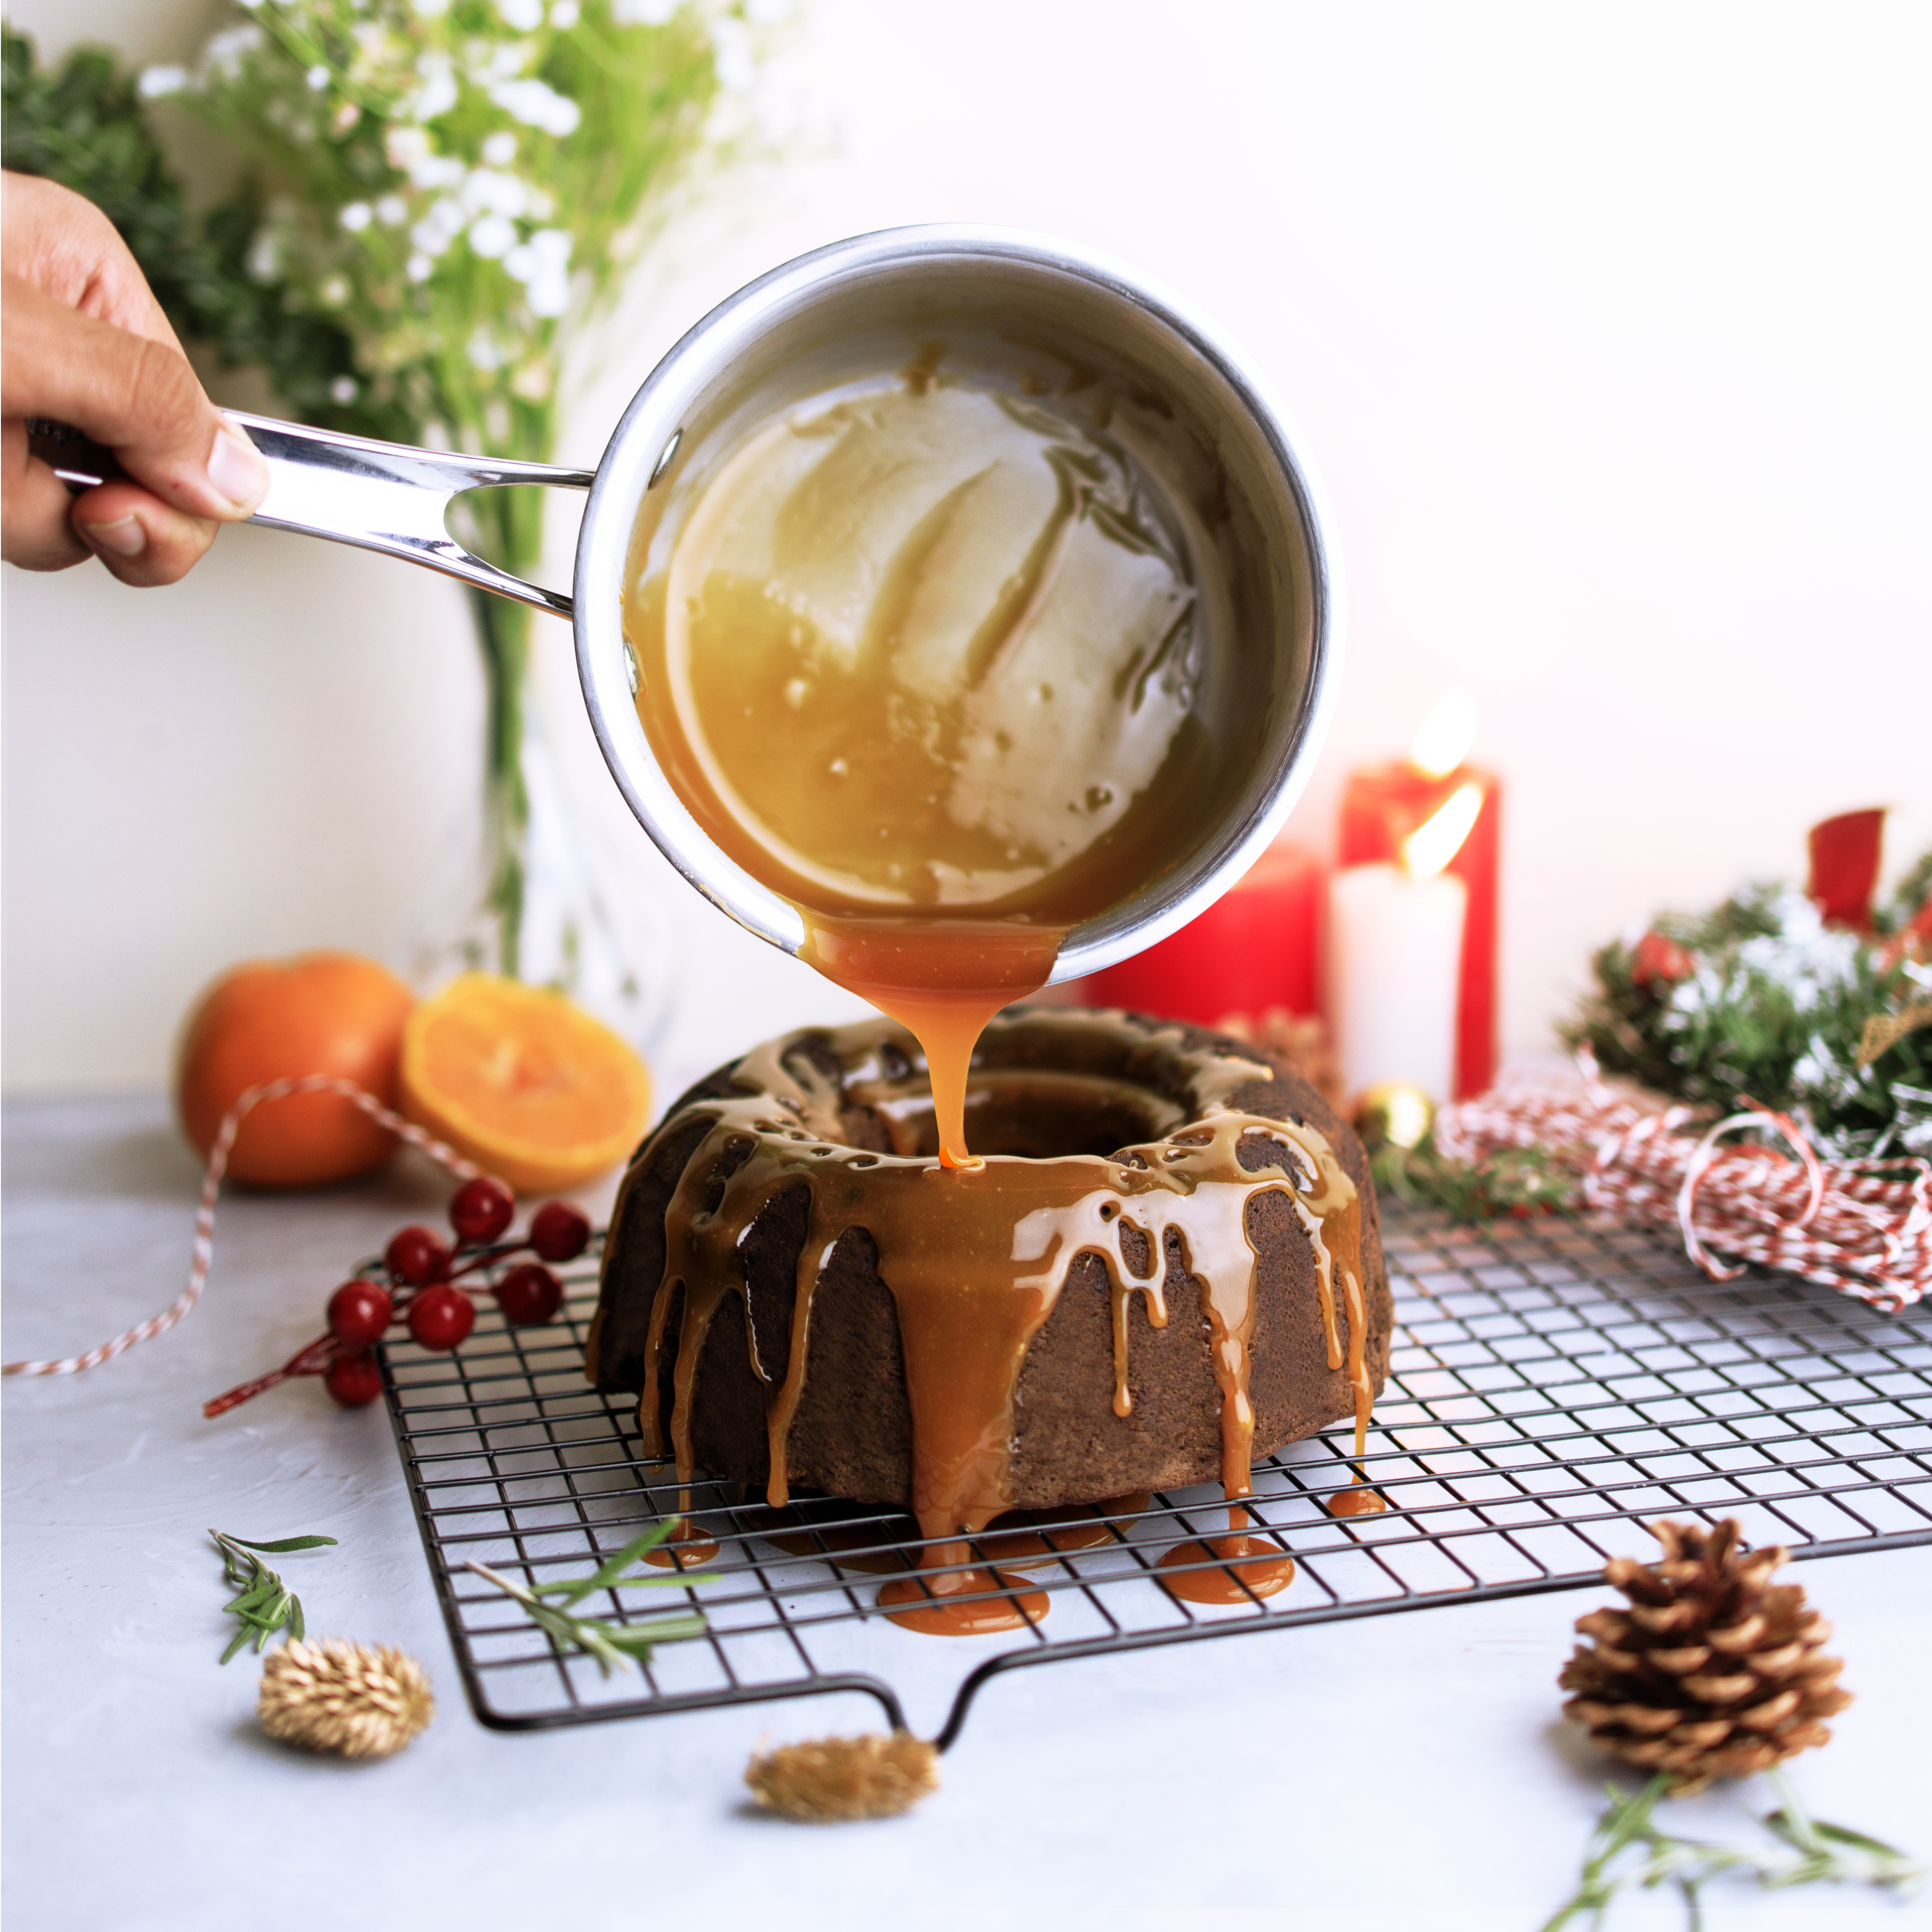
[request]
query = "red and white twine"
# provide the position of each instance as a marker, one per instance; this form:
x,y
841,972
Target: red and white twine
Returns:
x,y
203,1251
1864,1227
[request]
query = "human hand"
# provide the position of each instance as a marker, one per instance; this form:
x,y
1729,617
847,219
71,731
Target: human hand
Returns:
x,y
87,344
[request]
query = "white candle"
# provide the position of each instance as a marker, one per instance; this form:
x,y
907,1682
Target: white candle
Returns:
x,y
1395,943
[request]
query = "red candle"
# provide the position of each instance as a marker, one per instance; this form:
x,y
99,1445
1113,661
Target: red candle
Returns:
x,y
1380,807
1257,946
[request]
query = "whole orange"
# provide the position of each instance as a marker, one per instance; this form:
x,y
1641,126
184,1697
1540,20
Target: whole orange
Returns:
x,y
274,1019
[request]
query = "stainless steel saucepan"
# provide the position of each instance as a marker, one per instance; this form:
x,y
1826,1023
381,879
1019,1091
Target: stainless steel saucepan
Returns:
x,y
1268,575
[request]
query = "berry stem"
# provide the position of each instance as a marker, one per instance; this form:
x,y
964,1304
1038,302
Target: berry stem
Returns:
x,y
316,1359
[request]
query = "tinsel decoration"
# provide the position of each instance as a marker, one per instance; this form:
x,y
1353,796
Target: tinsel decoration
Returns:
x,y
1864,1227
1713,1671
838,1780
344,1698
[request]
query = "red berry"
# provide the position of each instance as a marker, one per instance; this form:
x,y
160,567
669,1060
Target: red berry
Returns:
x,y
442,1316
417,1256
358,1313
528,1294
480,1209
560,1231
355,1381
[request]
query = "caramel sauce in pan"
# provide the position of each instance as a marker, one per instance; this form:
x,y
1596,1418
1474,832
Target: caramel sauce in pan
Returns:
x,y
975,1259
925,660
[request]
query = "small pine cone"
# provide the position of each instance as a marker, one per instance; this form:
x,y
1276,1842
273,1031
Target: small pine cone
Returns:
x,y
1711,1671
344,1697
833,1780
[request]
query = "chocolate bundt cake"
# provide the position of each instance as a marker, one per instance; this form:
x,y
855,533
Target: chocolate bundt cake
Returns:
x,y
1168,1265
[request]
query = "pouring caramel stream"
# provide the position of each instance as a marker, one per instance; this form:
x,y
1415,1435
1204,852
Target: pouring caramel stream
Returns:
x,y
924,661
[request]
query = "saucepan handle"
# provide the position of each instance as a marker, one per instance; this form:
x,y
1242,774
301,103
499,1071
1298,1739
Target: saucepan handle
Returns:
x,y
378,496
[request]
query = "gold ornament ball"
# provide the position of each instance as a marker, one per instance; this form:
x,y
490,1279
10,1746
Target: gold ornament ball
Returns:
x,y
1394,1112
344,1698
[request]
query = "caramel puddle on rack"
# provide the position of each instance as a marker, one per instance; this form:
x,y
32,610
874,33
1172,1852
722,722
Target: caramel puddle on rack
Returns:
x,y
1245,1566
975,1259
693,1545
923,660
1024,1536
1357,1500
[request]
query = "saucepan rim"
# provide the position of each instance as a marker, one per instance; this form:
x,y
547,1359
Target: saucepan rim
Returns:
x,y
640,448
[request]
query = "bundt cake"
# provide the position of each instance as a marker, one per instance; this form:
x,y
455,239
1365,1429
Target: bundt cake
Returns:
x,y
1169,1266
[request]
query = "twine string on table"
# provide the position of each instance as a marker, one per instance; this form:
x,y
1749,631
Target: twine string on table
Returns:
x,y
203,1252
1863,1227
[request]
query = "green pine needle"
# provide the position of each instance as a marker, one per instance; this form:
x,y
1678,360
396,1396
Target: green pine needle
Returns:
x,y
264,1604
1829,1854
613,1645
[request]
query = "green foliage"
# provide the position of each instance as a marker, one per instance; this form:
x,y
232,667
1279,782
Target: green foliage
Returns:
x,y
435,186
83,125
264,1604
613,1645
1628,1848
1517,1181
1770,1004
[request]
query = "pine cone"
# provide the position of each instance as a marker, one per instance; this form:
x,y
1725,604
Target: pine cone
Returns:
x,y
1710,1672
344,1697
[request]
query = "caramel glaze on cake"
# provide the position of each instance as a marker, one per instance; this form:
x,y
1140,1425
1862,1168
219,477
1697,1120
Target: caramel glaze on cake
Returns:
x,y
802,1295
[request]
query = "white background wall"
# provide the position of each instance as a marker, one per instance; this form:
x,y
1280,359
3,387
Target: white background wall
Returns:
x,y
1608,326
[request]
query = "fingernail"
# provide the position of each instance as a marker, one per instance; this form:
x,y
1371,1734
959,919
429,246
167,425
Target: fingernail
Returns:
x,y
235,468
125,536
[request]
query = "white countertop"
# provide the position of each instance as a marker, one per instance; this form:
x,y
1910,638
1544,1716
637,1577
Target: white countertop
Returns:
x,y
1406,1771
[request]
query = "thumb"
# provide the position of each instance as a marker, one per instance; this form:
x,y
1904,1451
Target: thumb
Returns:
x,y
136,396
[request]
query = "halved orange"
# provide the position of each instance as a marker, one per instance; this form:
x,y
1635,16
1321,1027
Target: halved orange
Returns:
x,y
527,1085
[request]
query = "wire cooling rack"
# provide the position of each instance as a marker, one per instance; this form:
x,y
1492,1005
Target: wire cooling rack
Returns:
x,y
1553,1386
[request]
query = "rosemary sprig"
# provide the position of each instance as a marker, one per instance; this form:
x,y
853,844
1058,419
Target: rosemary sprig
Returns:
x,y
613,1645
265,1603
1830,1854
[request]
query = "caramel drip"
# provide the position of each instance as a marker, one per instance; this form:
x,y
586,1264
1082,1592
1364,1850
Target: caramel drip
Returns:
x,y
975,1258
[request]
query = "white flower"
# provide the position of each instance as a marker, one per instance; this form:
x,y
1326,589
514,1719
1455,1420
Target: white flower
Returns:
x,y
550,297
484,353
731,54
157,83
526,16
419,268
405,146
355,216
537,104
499,150
492,236
333,292
485,191
437,94
392,211
223,55
264,259
439,227
643,13
317,77
344,389
564,15
532,382
428,10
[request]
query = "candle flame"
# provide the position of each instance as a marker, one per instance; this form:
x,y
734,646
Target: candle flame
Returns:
x,y
1438,838
1446,734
